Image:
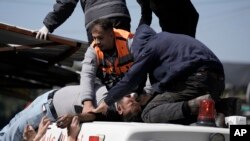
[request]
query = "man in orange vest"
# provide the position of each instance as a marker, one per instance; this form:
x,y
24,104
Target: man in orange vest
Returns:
x,y
105,62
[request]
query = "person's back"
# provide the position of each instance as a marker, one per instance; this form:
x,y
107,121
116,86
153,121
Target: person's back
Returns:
x,y
171,54
175,16
95,9
115,10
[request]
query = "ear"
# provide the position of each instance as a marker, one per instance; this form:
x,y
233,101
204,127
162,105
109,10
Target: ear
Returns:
x,y
119,109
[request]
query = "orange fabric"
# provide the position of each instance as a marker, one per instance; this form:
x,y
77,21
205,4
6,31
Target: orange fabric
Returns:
x,y
123,51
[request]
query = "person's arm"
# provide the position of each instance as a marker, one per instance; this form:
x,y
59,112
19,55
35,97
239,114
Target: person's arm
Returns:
x,y
146,12
86,115
61,12
73,129
130,81
29,133
43,126
88,77
136,74
64,120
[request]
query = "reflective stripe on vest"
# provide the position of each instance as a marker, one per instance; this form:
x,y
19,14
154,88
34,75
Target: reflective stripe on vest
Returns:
x,y
124,60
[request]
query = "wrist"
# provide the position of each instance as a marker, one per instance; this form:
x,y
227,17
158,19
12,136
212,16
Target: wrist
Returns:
x,y
88,102
36,139
72,138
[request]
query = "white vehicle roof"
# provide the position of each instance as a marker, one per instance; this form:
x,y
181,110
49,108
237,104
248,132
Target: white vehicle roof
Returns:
x,y
132,131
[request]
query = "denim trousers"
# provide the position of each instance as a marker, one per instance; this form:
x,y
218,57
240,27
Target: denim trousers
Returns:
x,y
31,115
167,107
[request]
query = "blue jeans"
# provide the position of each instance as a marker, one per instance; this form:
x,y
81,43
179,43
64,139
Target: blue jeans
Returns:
x,y
31,115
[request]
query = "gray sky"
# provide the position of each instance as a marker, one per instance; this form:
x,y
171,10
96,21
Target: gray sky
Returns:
x,y
224,25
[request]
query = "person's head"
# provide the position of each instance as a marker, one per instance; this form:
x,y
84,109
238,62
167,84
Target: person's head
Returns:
x,y
103,35
129,107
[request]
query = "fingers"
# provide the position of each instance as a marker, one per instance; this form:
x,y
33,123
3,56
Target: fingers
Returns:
x,y
102,108
42,33
61,124
74,128
63,121
75,120
43,126
38,35
29,133
26,128
46,120
47,124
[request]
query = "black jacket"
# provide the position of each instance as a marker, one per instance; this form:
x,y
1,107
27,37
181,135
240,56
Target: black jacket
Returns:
x,y
165,57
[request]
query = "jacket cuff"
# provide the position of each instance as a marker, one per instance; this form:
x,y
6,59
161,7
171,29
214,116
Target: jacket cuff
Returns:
x,y
49,27
109,100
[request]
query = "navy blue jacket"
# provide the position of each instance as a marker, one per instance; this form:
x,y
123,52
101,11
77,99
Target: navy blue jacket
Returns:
x,y
164,56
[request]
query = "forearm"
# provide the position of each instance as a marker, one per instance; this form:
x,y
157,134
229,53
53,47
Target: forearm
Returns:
x,y
61,12
86,117
88,75
38,137
146,12
132,79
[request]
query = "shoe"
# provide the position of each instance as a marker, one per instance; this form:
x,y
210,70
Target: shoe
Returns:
x,y
194,104
229,106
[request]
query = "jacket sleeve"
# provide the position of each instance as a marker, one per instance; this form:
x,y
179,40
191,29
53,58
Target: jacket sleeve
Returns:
x,y
146,12
133,78
62,10
88,75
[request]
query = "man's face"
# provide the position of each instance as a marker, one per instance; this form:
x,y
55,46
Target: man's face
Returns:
x,y
104,39
129,105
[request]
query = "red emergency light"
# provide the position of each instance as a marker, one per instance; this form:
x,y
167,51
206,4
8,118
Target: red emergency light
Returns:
x,y
93,138
96,138
206,115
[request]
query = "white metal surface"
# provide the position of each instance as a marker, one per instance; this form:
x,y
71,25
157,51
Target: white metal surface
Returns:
x,y
123,131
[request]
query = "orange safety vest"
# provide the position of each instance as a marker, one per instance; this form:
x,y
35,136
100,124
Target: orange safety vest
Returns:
x,y
124,60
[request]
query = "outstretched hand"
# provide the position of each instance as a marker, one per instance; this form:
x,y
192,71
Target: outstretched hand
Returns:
x,y
102,108
43,126
73,129
64,120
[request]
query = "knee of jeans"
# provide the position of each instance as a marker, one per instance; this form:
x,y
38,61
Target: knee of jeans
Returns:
x,y
145,117
150,117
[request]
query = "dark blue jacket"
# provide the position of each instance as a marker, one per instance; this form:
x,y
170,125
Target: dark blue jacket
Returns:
x,y
165,57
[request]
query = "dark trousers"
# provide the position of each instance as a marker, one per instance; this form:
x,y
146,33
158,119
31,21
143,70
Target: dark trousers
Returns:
x,y
167,107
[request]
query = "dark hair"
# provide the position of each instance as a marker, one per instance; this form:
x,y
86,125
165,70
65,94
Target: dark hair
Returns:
x,y
105,24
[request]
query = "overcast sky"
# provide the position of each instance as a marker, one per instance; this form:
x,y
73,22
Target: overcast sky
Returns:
x,y
224,25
